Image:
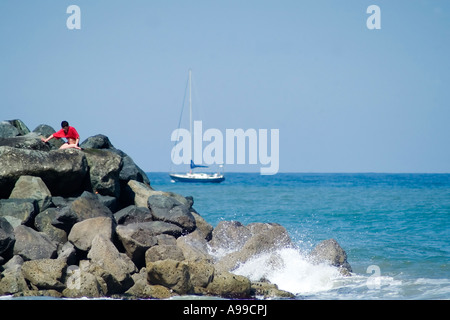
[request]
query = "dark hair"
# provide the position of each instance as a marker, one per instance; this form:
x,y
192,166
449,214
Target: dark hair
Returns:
x,y
64,124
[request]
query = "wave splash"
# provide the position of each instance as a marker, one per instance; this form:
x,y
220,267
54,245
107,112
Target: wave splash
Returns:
x,y
291,271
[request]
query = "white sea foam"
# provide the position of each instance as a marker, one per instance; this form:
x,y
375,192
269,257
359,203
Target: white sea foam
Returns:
x,y
291,271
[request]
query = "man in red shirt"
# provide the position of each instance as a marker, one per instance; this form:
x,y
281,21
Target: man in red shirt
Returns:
x,y
68,132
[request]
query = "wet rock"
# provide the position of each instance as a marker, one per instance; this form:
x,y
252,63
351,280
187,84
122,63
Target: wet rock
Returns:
x,y
330,252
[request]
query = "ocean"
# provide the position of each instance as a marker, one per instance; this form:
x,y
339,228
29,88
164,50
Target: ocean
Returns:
x,y
395,229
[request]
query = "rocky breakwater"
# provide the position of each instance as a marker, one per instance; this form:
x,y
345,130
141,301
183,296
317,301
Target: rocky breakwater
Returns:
x,y
88,224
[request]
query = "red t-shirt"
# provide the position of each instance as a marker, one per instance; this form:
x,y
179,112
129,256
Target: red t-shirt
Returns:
x,y
71,134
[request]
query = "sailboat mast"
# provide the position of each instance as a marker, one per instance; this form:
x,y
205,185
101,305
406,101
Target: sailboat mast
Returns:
x,y
190,105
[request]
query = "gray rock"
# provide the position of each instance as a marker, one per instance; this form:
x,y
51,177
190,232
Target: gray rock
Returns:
x,y
19,211
84,207
117,267
8,130
32,245
7,237
163,252
330,252
31,141
104,168
43,223
46,131
164,208
29,187
83,232
137,238
133,214
229,236
63,171
20,126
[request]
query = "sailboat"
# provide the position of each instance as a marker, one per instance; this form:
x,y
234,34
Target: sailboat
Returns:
x,y
192,176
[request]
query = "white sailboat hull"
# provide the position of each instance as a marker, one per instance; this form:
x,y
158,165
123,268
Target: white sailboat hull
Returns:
x,y
197,177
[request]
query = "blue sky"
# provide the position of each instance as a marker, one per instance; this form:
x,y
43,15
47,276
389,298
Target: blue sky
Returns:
x,y
344,98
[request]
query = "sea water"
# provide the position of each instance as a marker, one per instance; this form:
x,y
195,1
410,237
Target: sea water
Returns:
x,y
395,229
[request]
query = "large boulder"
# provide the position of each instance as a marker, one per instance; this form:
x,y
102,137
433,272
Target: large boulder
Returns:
x,y
129,170
63,171
29,187
83,232
45,273
168,209
133,214
330,252
114,267
7,130
170,273
137,238
264,238
84,207
229,285
44,130
32,245
7,237
19,211
31,141
43,223
104,168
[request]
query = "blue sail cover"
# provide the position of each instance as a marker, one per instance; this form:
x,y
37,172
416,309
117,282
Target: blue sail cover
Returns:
x,y
193,165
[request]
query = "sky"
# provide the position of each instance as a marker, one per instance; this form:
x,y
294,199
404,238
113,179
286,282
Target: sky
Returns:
x,y
345,98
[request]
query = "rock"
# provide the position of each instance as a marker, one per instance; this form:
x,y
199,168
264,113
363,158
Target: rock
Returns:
x,y
63,171
45,273
104,168
32,245
7,237
46,131
20,126
264,238
164,208
269,290
18,211
163,252
68,253
194,247
129,170
229,285
201,273
171,274
117,267
80,283
133,214
139,192
7,130
330,252
203,227
31,141
29,187
43,223
229,236
84,207
12,281
137,238
98,141
83,232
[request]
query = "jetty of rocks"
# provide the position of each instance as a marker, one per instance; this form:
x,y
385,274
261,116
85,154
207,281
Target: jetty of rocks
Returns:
x,y
87,223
